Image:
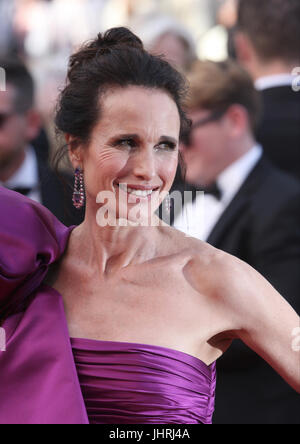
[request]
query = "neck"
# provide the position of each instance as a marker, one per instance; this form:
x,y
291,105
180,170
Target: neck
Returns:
x,y
275,67
10,165
109,249
236,151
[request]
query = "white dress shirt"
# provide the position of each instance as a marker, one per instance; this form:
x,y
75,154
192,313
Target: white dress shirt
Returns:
x,y
274,81
200,217
27,176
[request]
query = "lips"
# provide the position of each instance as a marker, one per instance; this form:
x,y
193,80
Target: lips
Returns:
x,y
140,191
139,187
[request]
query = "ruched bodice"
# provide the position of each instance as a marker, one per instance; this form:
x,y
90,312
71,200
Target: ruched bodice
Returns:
x,y
126,383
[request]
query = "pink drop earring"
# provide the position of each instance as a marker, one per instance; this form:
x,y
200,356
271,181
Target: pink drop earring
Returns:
x,y
78,194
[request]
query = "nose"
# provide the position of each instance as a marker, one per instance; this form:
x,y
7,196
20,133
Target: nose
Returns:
x,y
144,165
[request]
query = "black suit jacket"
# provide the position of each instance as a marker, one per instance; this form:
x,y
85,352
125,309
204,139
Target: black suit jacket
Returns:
x,y
56,194
261,226
279,132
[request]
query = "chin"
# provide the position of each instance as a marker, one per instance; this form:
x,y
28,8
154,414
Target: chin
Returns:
x,y
198,179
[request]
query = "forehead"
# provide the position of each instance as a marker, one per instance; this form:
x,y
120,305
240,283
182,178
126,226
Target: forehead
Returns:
x,y
139,109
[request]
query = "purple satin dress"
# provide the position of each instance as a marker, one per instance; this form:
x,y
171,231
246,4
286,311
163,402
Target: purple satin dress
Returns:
x,y
127,383
46,378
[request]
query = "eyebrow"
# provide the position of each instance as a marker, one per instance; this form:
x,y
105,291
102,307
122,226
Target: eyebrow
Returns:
x,y
137,137
127,136
169,138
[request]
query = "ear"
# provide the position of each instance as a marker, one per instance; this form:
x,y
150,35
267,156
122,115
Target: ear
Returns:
x,y
244,48
74,151
33,124
238,120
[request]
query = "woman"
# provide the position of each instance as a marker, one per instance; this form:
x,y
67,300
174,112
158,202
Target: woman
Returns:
x,y
148,310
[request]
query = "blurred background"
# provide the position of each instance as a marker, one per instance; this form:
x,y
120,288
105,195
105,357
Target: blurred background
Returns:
x,y
46,32
243,148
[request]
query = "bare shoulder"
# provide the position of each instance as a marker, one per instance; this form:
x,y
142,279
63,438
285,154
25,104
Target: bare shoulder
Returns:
x,y
234,287
177,242
202,255
214,273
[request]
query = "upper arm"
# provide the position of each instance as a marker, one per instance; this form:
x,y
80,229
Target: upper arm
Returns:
x,y
261,317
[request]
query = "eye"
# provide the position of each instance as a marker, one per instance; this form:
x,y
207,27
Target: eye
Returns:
x,y
170,146
126,143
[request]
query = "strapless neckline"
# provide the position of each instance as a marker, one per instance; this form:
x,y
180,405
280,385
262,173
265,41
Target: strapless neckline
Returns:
x,y
167,349
93,345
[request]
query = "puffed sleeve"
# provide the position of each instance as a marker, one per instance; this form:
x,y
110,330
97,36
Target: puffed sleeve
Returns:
x,y
31,239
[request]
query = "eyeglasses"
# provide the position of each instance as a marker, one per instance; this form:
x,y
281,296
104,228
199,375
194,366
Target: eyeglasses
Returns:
x,y
213,117
4,117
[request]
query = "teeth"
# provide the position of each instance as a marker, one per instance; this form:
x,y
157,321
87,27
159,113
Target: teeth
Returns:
x,y
141,193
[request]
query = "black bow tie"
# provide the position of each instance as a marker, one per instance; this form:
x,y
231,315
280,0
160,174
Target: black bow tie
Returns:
x,y
213,190
22,190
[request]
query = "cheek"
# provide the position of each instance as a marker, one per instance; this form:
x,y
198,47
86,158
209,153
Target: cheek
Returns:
x,y
167,167
107,158
11,139
102,167
204,145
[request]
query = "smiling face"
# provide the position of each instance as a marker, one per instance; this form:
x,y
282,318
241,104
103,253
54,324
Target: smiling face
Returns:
x,y
135,143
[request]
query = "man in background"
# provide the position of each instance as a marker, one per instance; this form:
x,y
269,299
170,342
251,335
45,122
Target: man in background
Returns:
x,y
20,168
252,211
8,41
268,46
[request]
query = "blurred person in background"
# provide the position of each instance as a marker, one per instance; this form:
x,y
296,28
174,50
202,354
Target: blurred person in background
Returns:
x,y
217,44
46,40
21,169
252,211
7,37
13,17
268,46
163,35
44,28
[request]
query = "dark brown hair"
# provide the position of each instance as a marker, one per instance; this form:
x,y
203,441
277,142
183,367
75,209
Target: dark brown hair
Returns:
x,y
273,27
215,86
116,58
